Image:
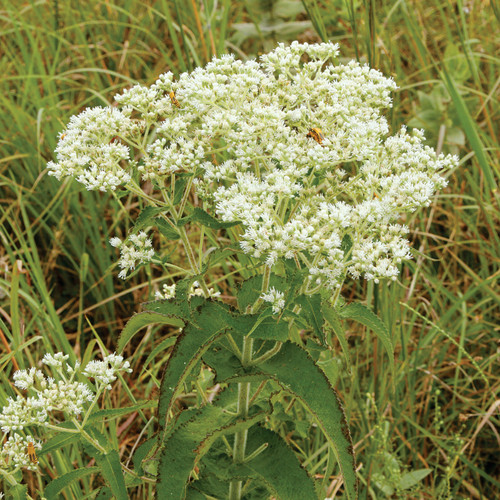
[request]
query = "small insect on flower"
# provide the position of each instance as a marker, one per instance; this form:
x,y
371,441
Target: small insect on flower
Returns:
x,y
316,134
174,100
30,451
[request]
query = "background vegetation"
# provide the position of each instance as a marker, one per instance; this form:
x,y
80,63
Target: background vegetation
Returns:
x,y
59,287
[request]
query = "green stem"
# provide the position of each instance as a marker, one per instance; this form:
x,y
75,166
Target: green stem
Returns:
x,y
268,354
91,407
240,438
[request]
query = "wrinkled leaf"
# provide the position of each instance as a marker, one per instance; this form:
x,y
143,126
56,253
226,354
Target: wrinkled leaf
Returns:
x,y
166,229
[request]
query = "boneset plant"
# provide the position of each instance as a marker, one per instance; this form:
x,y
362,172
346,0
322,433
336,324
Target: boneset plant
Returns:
x,y
273,181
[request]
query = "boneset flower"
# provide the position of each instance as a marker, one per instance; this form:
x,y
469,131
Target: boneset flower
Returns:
x,y
104,372
275,298
13,453
139,250
293,146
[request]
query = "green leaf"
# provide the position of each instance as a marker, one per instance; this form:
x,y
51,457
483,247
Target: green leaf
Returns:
x,y
182,290
470,128
193,494
260,326
251,290
211,486
331,365
180,186
410,479
98,436
169,307
346,244
367,317
104,494
191,440
311,310
53,489
222,360
61,439
277,467
295,278
166,229
111,469
140,320
268,328
295,372
333,320
118,412
17,492
162,346
218,254
209,323
142,452
145,218
205,219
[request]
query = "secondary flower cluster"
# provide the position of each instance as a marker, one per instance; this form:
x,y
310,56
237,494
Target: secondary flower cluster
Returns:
x,y
46,395
13,454
139,249
294,147
275,298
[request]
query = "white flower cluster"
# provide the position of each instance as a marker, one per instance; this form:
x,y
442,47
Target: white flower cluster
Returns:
x,y
104,372
276,298
139,250
13,454
169,291
91,151
66,395
296,149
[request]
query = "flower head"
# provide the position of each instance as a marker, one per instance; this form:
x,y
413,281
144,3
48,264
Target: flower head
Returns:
x,y
138,248
331,199
275,298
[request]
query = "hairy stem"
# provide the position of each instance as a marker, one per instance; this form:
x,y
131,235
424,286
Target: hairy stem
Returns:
x,y
240,438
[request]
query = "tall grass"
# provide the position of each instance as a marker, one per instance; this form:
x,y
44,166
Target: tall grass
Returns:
x,y
58,288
